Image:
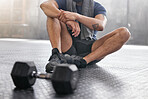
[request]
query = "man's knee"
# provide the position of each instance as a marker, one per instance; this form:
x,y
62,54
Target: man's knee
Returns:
x,y
124,33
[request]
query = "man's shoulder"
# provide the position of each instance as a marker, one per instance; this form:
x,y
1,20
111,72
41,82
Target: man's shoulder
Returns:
x,y
96,4
99,9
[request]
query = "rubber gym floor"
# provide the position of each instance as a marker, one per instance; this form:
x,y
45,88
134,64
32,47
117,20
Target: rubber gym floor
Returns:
x,y
121,75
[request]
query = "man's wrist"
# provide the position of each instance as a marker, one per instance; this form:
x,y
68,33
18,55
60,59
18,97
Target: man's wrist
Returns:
x,y
58,14
78,16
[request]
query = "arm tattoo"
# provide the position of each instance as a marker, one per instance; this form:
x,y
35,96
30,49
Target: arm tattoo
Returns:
x,y
95,26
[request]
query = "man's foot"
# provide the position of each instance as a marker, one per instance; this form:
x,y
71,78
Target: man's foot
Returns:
x,y
77,60
56,58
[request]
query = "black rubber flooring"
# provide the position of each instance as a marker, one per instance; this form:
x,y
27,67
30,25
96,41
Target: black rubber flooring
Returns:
x,y
121,75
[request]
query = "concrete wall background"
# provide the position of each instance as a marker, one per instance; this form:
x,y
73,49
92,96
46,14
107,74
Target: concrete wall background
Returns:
x,y
24,19
128,13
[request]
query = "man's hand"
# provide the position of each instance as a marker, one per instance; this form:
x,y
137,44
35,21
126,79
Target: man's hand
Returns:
x,y
75,27
69,19
67,16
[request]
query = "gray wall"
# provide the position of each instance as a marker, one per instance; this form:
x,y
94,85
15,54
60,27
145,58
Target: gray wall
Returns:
x,y
24,19
128,13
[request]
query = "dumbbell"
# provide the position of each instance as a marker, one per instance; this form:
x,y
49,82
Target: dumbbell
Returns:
x,y
64,77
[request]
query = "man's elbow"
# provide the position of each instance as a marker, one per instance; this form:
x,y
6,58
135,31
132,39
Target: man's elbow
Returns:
x,y
44,5
102,25
101,28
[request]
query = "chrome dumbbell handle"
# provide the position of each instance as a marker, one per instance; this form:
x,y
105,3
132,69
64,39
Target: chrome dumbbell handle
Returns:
x,y
41,75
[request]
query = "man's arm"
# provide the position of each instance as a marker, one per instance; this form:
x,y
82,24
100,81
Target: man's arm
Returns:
x,y
50,8
98,23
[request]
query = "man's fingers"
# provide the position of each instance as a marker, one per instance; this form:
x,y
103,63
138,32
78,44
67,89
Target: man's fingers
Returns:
x,y
69,27
74,34
77,32
73,28
66,15
61,17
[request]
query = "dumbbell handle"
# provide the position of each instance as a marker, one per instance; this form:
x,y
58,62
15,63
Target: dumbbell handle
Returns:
x,y
41,75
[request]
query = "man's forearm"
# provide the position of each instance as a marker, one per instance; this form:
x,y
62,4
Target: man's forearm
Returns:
x,y
92,23
50,8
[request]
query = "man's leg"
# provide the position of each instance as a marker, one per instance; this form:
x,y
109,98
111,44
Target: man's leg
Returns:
x,y
108,44
58,35
60,40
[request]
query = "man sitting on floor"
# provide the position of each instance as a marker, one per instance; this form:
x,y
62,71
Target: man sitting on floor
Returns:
x,y
72,26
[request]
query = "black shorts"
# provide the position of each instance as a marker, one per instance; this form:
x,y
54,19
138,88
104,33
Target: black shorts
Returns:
x,y
81,47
